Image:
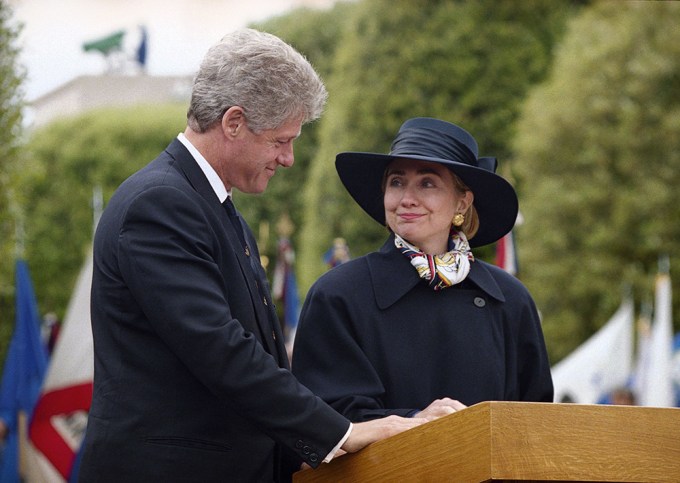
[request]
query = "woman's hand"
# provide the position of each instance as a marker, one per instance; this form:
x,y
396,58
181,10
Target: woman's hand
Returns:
x,y
439,408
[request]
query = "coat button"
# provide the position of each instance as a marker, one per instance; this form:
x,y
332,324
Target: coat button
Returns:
x,y
299,444
480,302
313,457
306,450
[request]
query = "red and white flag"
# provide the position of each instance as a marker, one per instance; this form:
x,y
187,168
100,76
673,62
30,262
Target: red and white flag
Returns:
x,y
506,257
506,252
60,416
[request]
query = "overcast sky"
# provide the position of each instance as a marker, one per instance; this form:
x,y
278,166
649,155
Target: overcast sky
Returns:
x,y
179,33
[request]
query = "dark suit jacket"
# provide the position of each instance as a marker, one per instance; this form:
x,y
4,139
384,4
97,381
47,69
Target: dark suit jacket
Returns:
x,y
191,377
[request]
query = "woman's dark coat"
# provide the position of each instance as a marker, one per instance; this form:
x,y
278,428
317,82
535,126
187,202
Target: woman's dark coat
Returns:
x,y
374,340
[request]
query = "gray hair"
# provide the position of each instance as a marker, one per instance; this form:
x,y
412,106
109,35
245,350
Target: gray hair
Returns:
x,y
257,71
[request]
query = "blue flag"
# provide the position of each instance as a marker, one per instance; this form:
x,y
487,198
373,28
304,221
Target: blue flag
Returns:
x,y
141,50
291,301
337,254
24,370
285,288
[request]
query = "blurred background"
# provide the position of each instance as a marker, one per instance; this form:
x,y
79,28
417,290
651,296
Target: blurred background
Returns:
x,y
579,101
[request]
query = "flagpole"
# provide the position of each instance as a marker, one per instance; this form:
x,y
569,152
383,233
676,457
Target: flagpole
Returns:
x,y
20,238
21,418
20,232
657,385
97,205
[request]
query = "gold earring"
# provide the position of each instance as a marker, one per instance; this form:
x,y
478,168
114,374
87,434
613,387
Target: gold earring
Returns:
x,y
459,219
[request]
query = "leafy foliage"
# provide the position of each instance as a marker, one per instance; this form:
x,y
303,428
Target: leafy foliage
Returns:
x,y
11,104
578,101
598,156
467,62
314,33
68,160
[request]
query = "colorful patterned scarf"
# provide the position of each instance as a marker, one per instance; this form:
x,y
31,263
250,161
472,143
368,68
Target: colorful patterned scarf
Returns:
x,y
440,271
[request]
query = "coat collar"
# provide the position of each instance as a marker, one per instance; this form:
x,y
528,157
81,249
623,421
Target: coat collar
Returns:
x,y
393,276
193,172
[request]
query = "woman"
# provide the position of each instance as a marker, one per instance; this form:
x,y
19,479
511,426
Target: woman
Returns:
x,y
421,326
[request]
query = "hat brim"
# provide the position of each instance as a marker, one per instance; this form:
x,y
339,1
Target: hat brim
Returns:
x,y
495,199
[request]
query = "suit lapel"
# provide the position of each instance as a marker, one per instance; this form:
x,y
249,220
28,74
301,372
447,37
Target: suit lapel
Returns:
x,y
200,183
277,338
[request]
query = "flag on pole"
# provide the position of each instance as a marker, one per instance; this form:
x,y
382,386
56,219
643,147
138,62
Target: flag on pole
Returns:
x,y
284,287
141,49
60,416
23,373
291,301
644,331
506,255
106,45
656,387
337,254
600,364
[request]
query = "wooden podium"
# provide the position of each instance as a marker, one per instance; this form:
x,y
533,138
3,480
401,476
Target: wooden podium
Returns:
x,y
513,441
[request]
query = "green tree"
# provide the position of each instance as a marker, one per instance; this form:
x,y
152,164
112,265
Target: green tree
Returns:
x,y
467,62
598,158
104,147
315,33
11,104
69,158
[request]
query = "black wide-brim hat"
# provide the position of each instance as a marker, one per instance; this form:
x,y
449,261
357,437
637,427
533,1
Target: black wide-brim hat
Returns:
x,y
441,142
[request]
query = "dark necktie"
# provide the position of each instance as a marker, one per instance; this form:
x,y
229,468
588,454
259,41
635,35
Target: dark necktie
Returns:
x,y
238,226
254,264
236,222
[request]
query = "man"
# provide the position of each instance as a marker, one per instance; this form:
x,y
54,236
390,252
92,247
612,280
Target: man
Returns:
x,y
191,379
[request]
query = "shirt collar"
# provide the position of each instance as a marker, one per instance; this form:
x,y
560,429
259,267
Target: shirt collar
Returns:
x,y
214,180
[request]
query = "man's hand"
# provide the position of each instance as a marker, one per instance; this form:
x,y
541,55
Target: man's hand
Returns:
x,y
369,432
439,408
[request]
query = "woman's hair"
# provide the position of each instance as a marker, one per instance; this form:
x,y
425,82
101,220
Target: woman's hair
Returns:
x,y
260,73
471,223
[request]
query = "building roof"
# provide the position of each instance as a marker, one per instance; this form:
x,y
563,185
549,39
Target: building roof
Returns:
x,y
89,92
